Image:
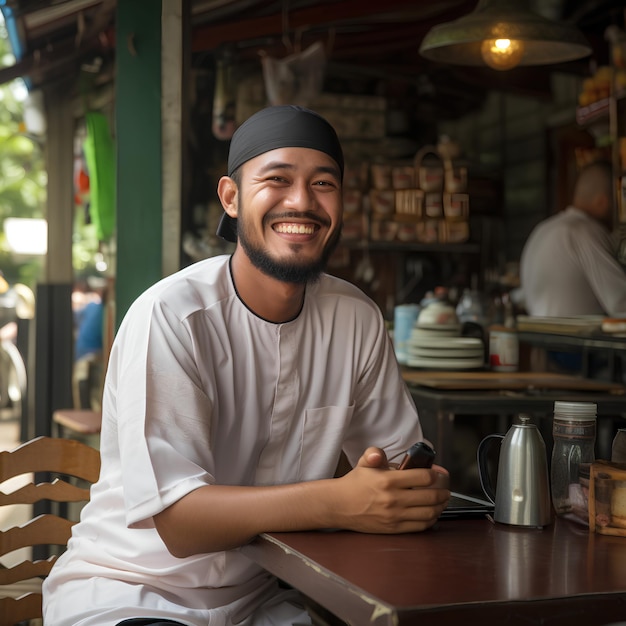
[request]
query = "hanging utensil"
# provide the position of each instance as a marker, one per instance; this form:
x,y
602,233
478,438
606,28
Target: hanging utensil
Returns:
x,y
224,123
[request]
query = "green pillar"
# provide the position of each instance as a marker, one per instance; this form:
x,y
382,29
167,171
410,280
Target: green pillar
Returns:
x,y
139,153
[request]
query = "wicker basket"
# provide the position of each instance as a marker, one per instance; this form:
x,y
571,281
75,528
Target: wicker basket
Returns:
x,y
456,206
411,203
455,178
382,202
430,173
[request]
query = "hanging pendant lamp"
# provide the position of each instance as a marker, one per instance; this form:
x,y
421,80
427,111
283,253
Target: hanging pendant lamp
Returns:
x,y
504,34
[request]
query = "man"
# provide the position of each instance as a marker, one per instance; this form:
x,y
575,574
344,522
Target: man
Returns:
x,y
232,388
568,265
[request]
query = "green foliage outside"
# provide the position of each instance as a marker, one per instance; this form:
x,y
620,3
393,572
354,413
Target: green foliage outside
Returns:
x,y
22,175
23,182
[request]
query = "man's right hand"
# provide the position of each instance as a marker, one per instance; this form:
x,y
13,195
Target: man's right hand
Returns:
x,y
377,499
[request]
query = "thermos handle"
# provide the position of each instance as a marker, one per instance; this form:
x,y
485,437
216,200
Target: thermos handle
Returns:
x,y
483,468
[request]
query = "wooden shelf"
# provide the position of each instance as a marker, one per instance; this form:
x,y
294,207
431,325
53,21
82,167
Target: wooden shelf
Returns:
x,y
598,111
594,112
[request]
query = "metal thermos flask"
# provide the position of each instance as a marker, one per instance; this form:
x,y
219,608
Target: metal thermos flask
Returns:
x,y
522,493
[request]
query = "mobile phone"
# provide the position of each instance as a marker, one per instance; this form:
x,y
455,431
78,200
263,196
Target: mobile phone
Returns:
x,y
420,454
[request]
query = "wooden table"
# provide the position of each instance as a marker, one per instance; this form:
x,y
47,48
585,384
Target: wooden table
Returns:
x,y
460,572
448,394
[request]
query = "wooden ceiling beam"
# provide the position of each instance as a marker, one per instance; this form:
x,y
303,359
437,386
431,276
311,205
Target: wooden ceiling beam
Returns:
x,y
374,43
211,36
39,63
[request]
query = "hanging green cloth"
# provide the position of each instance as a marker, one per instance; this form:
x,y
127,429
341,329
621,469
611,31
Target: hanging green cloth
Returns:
x,y
99,151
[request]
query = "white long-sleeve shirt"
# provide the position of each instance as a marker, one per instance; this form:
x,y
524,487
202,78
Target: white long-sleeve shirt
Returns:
x,y
568,267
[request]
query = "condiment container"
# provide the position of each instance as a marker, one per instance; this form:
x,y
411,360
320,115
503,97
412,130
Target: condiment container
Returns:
x,y
574,435
405,316
503,349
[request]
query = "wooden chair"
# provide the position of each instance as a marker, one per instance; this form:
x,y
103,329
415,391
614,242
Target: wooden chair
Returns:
x,y
58,459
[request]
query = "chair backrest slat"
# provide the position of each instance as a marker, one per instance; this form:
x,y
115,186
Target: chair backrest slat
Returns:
x,y
26,570
16,610
47,454
57,491
43,530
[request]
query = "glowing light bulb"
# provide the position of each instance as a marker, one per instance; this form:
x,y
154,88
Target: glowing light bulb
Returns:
x,y
502,54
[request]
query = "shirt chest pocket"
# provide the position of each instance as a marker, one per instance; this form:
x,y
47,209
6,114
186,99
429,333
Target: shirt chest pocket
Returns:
x,y
322,435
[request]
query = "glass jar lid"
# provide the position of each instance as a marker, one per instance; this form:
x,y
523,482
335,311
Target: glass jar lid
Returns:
x,y
576,410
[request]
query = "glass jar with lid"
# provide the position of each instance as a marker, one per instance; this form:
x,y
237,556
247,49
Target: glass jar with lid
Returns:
x,y
574,435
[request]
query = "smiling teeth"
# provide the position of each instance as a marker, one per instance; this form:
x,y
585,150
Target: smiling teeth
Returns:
x,y
299,229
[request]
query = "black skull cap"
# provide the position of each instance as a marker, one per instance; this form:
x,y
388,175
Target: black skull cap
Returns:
x,y
283,126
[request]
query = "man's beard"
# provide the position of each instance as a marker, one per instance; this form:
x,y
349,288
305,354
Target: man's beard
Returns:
x,y
287,270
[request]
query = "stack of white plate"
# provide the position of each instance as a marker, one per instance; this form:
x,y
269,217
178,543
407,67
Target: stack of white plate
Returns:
x,y
433,331
444,351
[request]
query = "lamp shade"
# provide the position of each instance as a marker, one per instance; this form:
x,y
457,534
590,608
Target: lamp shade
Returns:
x,y
543,41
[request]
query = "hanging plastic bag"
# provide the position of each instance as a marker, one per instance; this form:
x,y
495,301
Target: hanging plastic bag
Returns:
x,y
296,79
99,149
